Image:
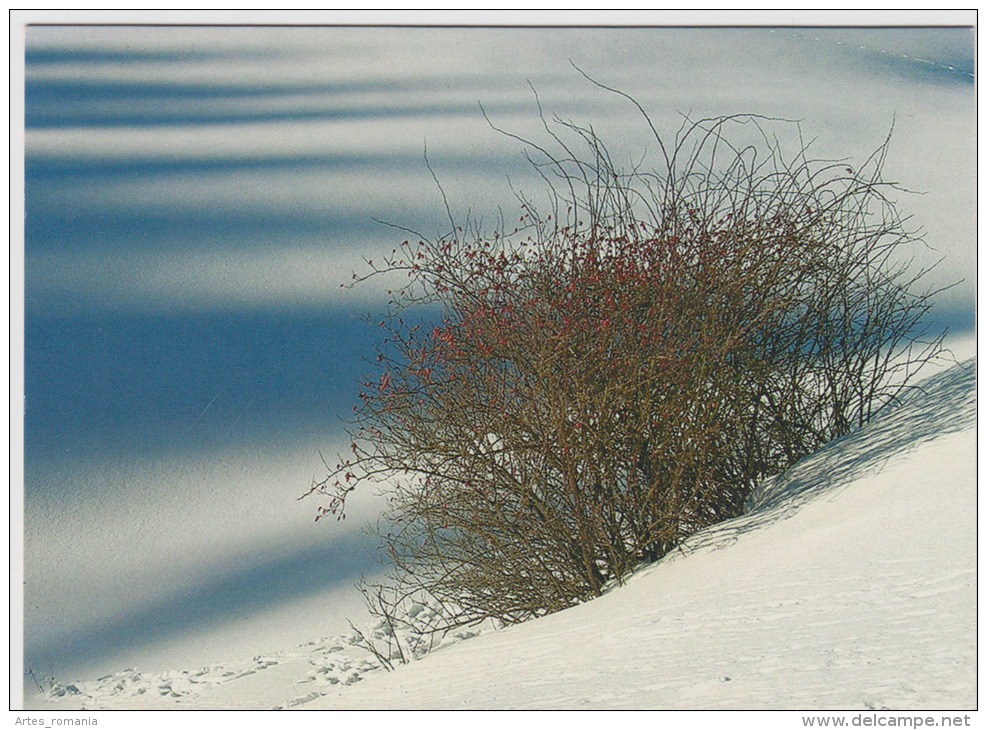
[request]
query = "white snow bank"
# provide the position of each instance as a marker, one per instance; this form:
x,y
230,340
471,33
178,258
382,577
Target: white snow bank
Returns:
x,y
850,584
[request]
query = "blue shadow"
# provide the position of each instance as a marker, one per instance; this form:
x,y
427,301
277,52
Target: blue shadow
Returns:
x,y
244,592
132,383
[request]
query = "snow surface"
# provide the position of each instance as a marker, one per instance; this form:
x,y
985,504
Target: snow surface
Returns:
x,y
849,584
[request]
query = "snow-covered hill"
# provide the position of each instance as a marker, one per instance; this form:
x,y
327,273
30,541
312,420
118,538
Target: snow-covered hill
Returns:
x,y
849,584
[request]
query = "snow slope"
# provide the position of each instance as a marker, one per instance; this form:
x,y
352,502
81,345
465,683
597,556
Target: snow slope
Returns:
x,y
849,584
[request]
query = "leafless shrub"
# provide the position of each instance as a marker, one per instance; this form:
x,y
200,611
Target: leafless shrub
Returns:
x,y
619,368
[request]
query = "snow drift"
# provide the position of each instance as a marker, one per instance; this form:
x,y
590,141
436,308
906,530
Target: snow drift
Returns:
x,y
850,583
